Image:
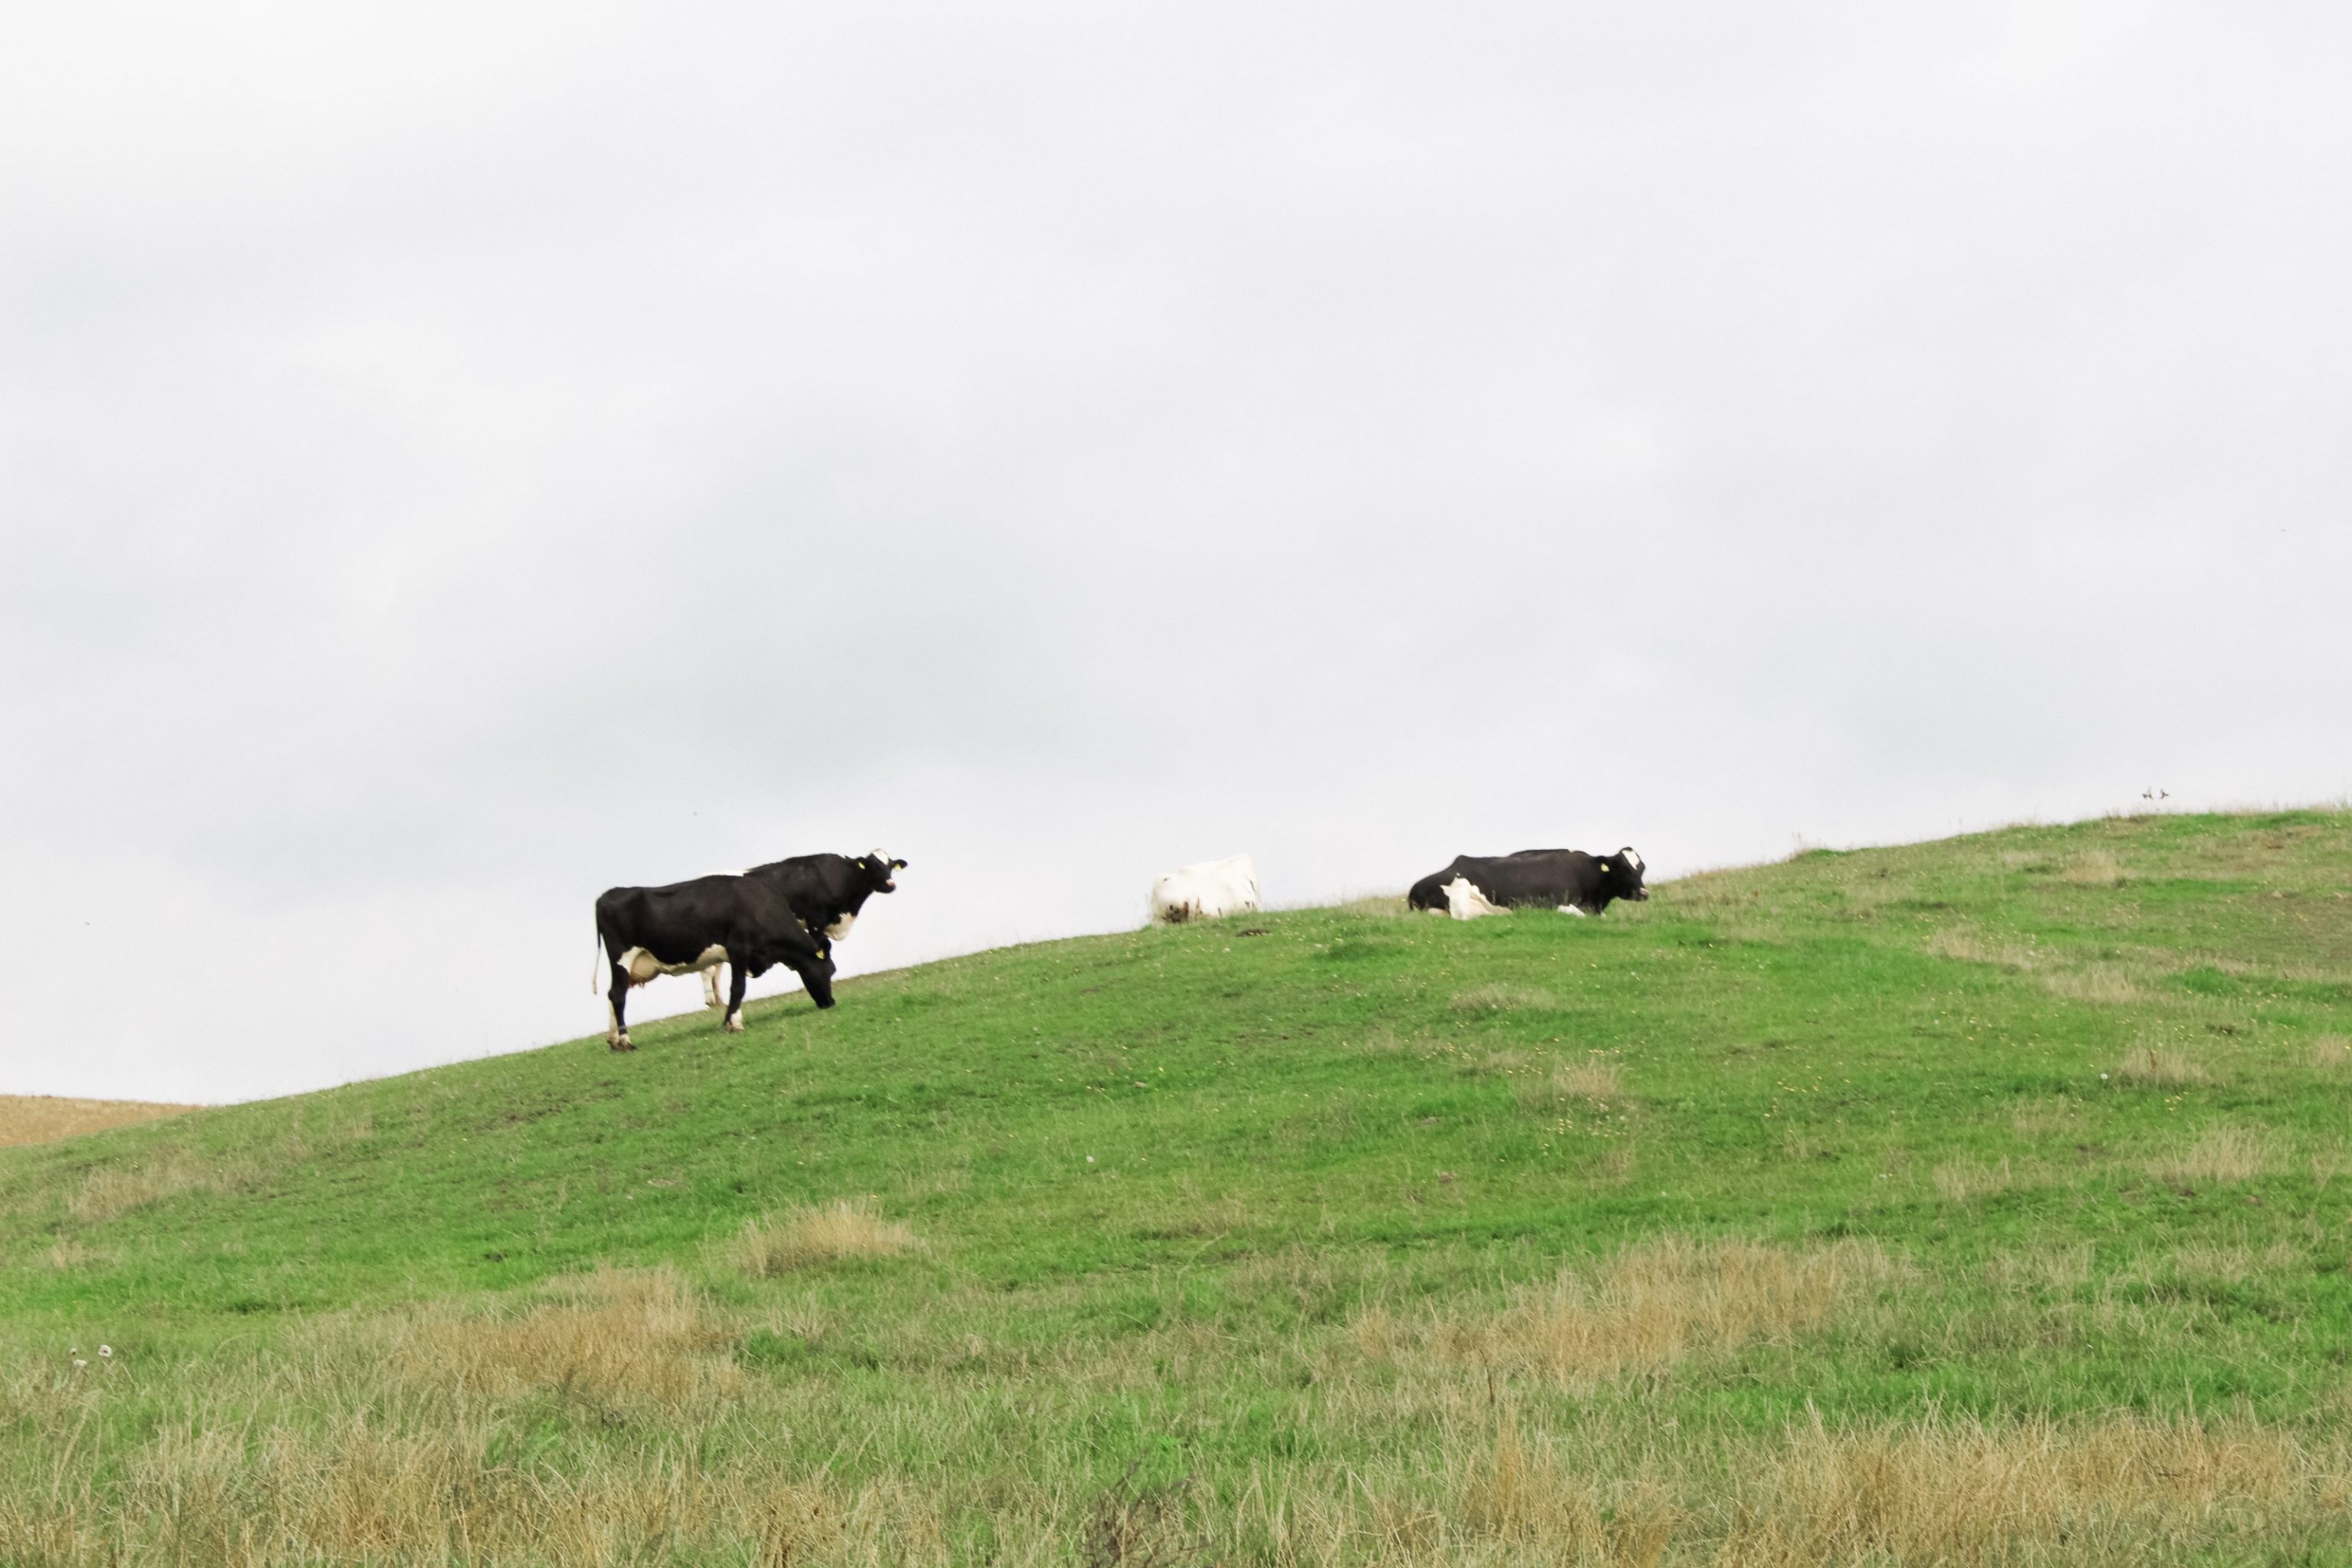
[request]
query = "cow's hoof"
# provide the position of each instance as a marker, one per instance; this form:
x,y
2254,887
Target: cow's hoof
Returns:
x,y
734,1026
623,1044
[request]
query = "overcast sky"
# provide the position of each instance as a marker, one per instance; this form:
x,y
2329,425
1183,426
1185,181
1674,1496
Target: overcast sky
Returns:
x,y
456,458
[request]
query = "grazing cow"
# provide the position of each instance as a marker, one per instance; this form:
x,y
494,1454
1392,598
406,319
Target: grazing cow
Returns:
x,y
825,891
1204,891
1569,880
740,921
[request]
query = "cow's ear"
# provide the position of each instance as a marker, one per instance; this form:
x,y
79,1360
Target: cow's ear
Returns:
x,y
897,865
861,862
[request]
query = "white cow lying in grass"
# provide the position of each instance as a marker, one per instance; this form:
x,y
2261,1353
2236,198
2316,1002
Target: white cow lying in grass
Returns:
x,y
1204,891
1463,901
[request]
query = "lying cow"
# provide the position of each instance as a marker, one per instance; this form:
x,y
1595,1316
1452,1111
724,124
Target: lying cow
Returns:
x,y
1569,880
741,921
1204,891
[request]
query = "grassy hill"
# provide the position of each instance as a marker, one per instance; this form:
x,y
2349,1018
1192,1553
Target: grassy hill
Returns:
x,y
1977,1201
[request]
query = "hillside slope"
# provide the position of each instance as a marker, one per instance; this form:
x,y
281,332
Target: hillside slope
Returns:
x,y
1340,1234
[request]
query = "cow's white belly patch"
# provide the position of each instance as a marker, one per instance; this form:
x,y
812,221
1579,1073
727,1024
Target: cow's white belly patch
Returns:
x,y
840,928
642,966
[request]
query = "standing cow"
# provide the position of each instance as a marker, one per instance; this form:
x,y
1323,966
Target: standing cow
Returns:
x,y
825,891
740,921
1569,880
1204,891
828,891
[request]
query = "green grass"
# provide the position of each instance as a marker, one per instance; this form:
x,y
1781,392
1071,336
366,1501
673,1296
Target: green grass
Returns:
x,y
1260,1215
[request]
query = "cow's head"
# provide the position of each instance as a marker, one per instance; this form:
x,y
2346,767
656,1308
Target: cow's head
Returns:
x,y
817,973
1625,874
878,870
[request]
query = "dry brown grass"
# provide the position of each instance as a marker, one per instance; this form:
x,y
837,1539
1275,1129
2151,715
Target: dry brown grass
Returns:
x,y
2100,984
2059,1267
1521,1491
2226,1153
1648,1306
43,1119
66,1255
2162,1068
641,1331
2331,1053
2233,1264
1973,947
1962,1180
1377,905
2041,1118
1499,998
118,1187
360,1490
1594,1082
1962,1492
2095,868
847,1230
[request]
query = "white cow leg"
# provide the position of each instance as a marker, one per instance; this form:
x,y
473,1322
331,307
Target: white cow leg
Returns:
x,y
710,997
1571,909
734,1023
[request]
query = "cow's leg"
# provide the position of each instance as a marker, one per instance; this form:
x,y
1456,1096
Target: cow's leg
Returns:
x,y
710,987
1571,909
617,1036
743,973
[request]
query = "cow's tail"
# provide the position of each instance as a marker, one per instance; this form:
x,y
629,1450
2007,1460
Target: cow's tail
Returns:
x,y
595,960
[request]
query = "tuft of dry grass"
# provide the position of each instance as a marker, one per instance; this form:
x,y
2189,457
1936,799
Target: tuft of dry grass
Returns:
x,y
1595,1081
2225,1153
361,1489
1377,905
1961,1180
640,1332
2061,1268
1656,1304
118,1187
44,1118
2331,1053
1961,1492
1498,998
2094,984
2232,1264
1521,1491
2148,1064
846,1230
2039,1118
2095,868
66,1255
1971,947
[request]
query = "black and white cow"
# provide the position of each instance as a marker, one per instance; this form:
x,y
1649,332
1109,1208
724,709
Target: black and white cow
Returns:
x,y
743,922
828,891
1564,879
825,891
